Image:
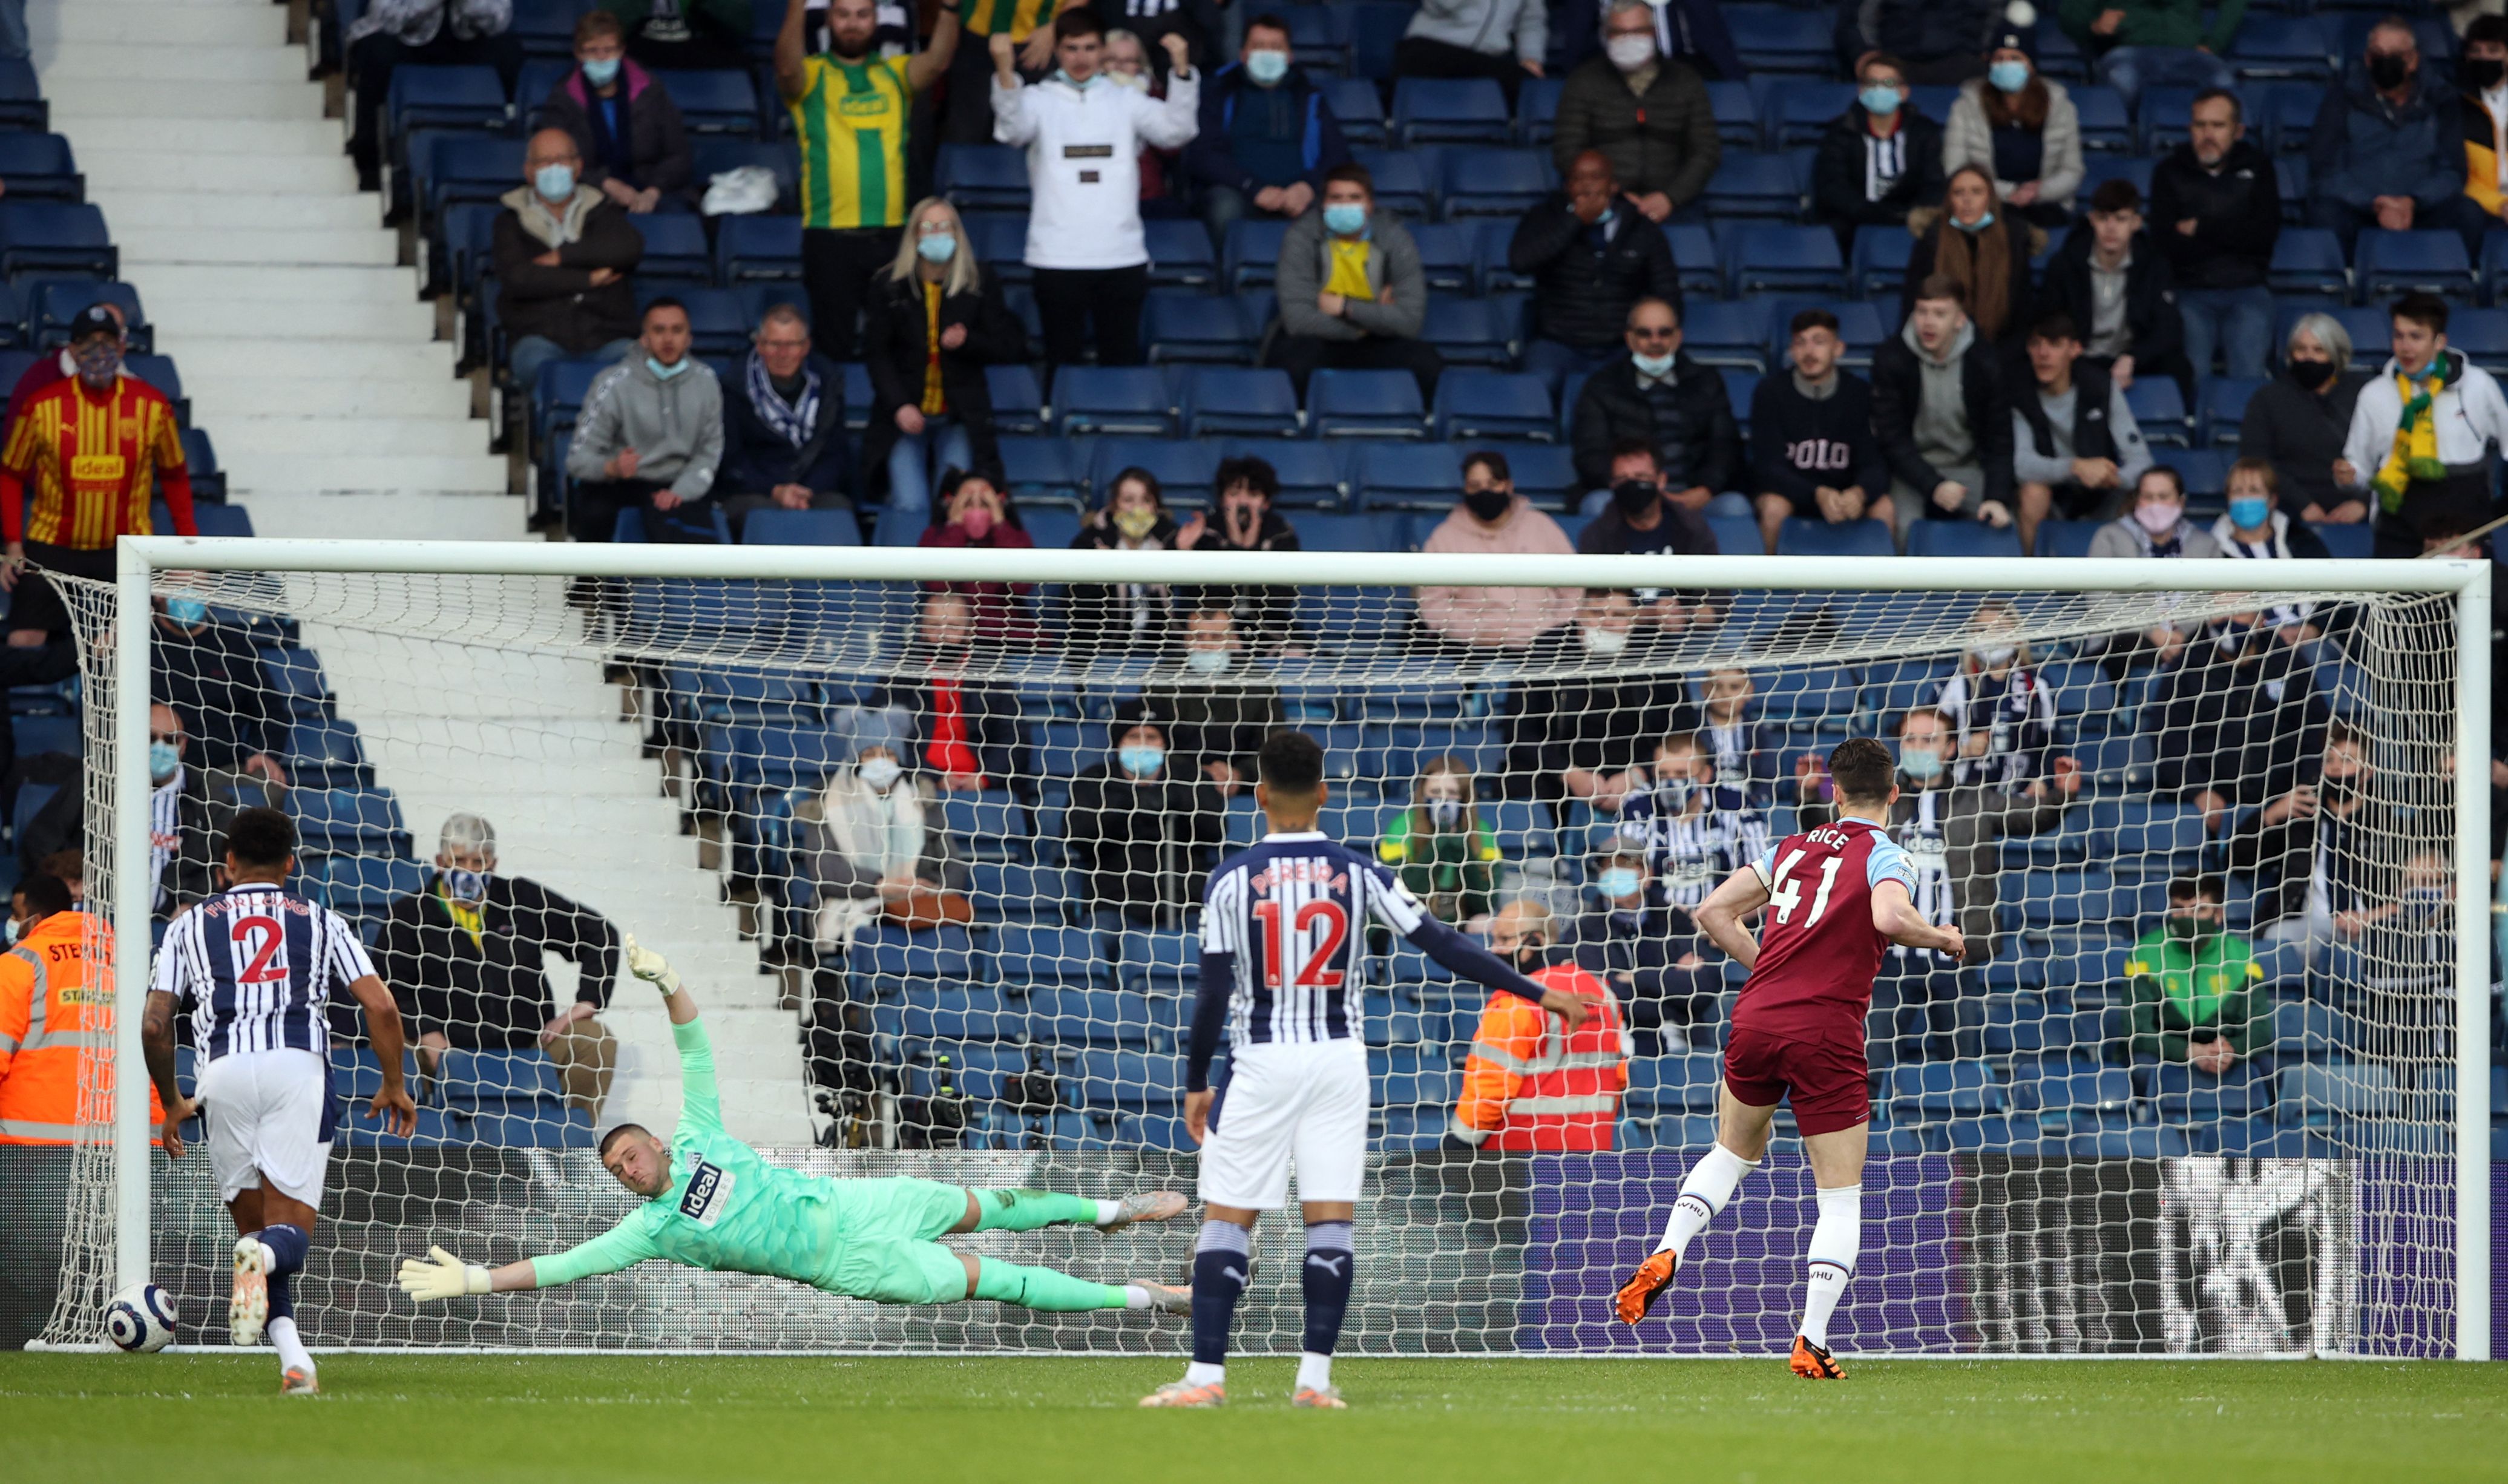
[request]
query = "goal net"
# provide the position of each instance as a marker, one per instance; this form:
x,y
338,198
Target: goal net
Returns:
x,y
2213,1080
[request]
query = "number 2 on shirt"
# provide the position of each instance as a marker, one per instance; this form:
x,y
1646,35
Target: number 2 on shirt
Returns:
x,y
1315,973
1785,896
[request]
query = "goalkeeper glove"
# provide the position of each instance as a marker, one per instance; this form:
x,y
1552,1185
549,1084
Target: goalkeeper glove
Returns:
x,y
652,967
441,1275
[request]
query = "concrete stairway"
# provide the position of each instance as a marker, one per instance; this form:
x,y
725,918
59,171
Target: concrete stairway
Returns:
x,y
308,357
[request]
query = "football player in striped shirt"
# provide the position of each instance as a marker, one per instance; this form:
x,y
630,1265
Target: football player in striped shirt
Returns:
x,y
258,967
1284,953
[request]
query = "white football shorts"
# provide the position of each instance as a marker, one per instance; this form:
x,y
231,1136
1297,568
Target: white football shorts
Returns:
x,y
1301,1101
268,1114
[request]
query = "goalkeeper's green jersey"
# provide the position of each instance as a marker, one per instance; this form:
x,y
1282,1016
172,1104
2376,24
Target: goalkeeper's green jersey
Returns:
x,y
727,1210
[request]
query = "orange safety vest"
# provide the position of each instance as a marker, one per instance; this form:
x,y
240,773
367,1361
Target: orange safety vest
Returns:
x,y
1527,1087
54,1003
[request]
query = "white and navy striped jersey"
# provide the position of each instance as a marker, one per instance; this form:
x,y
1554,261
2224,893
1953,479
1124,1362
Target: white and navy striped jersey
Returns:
x,y
257,966
1692,853
1292,910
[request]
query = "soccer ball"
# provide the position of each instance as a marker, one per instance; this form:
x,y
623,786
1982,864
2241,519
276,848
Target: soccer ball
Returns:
x,y
140,1319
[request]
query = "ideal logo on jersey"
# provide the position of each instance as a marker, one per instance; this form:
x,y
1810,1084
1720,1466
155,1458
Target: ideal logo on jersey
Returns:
x,y
708,1194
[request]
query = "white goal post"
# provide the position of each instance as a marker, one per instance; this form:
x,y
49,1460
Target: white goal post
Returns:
x,y
2453,1273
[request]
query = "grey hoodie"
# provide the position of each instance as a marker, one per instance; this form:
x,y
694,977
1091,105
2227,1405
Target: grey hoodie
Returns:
x,y
675,425
1942,433
1306,265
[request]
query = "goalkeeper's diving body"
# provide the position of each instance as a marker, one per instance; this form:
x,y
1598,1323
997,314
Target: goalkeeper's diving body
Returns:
x,y
712,1203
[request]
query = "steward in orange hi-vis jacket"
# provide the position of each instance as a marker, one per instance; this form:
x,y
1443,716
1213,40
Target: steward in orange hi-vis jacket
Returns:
x,y
1527,1084
54,1003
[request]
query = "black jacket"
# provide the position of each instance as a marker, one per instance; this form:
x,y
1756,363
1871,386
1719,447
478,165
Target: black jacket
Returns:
x,y
2092,437
988,710
2236,212
561,303
2282,858
1215,722
660,157
1211,158
1685,534
2154,330
1916,31
1145,847
1605,719
895,354
1798,444
1135,618
2300,433
1582,286
1899,389
491,992
755,458
2021,306
1837,196
1266,617
2246,724
1700,444
215,681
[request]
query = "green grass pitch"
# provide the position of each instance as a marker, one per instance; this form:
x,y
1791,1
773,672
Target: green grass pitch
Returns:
x,y
203,1419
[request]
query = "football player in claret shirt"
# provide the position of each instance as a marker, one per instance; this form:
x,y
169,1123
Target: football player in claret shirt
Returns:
x,y
1836,897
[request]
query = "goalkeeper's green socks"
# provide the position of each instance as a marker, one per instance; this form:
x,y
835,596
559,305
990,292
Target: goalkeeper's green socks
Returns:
x,y
1024,1210
1054,1293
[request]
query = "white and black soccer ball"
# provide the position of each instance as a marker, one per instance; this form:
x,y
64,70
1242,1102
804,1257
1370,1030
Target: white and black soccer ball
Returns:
x,y
140,1319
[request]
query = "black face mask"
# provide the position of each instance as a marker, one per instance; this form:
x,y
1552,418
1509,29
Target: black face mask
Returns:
x,y
1531,959
2387,71
2481,73
1634,496
2312,374
1486,504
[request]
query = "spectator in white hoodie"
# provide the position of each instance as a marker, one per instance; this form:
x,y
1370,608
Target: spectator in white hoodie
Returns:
x,y
1083,137
2433,471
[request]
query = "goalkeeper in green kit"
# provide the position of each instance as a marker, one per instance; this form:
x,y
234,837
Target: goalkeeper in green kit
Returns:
x,y
713,1204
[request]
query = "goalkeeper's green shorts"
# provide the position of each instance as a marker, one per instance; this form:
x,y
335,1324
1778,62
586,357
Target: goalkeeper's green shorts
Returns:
x,y
886,1247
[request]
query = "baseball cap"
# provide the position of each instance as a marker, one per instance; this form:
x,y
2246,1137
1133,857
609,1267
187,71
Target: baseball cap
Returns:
x,y
94,319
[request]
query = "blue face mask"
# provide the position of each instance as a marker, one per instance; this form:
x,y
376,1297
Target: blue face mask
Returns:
x,y
1344,220
190,612
1267,67
1878,100
2249,512
2009,76
467,885
1141,762
1652,365
663,371
164,757
554,182
1919,764
1978,225
1617,882
601,72
937,246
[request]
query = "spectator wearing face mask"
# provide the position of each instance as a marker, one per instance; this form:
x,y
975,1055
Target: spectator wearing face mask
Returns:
x,y
1352,293
976,517
91,450
1529,1083
1268,616
1143,832
2256,528
1651,954
1953,833
869,843
2299,420
464,956
1650,114
2236,716
932,406
1593,255
626,130
1647,514
1694,828
1127,65
1125,618
184,824
2022,130
2157,525
1446,856
1493,520
965,725
1221,713
2318,852
1581,725
2002,713
649,440
1742,748
1268,135
60,366
1657,395
565,254
1879,159
211,674
2192,984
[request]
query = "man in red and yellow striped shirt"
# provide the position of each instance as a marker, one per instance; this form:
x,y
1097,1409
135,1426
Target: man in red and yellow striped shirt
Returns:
x,y
91,448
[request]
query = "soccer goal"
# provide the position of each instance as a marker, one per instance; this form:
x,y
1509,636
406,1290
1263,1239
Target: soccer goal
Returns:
x,y
2216,1079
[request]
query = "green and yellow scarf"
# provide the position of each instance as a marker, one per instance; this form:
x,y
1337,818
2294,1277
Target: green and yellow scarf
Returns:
x,y
2414,453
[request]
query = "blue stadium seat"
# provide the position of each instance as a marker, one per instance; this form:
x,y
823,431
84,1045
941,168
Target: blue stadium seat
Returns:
x,y
324,753
982,177
456,167
1357,106
52,303
718,321
2349,544
1962,538
422,96
800,528
39,166
1232,400
2482,334
2066,538
1391,476
1741,389
2285,117
1310,477
2097,170
1728,334
1493,182
2206,473
2070,1090
347,822
2291,172
999,244
2309,260
1449,255
674,247
539,77
1536,108
2161,117
1431,110
1880,264
1365,404
1180,254
1737,115
1802,111
1182,466
2105,124
2321,1095
1318,37
2160,409
1761,186
1694,258
1735,534
54,236
1019,406
1473,332
366,885
715,101
1157,964
1401,183
1812,537
1253,253
2372,332
2282,47
2220,406
718,153
21,97
547,28
1041,468
2389,263
1783,259
1674,1084
1775,38
1941,1090
1112,400
1493,404
752,247
1178,325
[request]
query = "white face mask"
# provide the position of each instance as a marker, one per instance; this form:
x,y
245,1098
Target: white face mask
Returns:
x,y
1604,641
1628,53
1206,661
2159,519
1989,656
879,774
